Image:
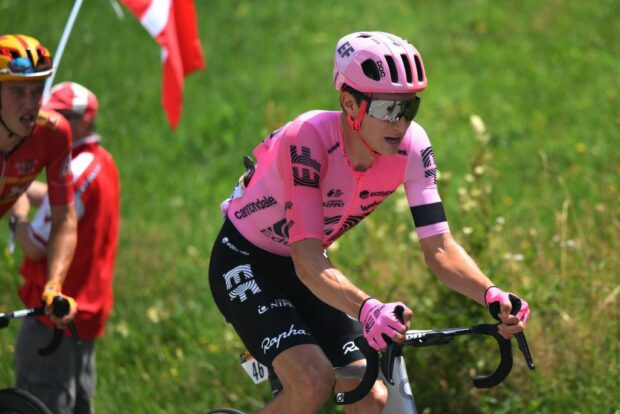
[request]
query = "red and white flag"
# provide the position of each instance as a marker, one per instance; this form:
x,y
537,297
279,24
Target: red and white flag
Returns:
x,y
173,24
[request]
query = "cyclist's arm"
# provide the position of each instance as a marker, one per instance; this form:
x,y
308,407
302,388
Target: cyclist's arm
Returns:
x,y
454,267
457,270
63,233
323,279
19,211
62,242
36,192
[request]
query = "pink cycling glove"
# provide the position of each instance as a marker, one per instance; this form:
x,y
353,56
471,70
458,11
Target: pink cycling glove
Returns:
x,y
494,297
379,322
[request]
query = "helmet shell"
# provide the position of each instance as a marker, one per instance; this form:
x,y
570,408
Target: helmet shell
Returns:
x,y
378,62
23,49
73,98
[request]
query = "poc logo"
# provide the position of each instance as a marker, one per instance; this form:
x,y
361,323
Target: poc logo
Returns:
x,y
239,281
380,67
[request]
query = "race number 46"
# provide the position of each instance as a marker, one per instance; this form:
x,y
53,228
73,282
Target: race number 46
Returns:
x,y
257,371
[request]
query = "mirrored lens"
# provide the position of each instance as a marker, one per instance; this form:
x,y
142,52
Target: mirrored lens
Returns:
x,y
393,111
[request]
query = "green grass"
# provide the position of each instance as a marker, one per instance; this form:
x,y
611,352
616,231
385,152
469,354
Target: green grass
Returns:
x,y
540,213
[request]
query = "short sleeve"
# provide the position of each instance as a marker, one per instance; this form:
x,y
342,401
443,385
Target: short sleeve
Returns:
x,y
421,187
302,161
59,176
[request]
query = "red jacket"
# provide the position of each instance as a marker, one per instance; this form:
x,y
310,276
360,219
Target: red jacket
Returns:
x,y
89,279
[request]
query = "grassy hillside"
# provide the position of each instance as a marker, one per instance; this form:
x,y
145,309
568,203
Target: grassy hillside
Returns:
x,y
533,196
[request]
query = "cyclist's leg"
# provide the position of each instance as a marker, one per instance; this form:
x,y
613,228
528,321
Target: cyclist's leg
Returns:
x,y
86,379
336,340
307,378
49,378
53,379
241,278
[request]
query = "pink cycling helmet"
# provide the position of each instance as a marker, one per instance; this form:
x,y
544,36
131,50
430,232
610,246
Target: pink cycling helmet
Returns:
x,y
378,62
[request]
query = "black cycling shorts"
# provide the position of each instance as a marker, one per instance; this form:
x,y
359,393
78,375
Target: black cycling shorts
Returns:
x,y
260,294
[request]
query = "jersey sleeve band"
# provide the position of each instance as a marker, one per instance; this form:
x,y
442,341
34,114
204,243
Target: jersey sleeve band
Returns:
x,y
428,214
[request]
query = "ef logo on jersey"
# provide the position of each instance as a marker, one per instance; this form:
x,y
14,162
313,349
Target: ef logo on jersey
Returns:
x,y
239,281
306,170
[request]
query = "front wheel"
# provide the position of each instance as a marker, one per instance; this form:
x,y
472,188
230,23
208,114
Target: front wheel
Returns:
x,y
224,411
16,401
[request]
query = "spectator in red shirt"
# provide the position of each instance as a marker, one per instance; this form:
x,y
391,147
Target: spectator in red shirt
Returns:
x,y
89,279
29,142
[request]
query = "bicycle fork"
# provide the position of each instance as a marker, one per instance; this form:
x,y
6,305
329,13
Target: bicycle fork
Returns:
x,y
400,396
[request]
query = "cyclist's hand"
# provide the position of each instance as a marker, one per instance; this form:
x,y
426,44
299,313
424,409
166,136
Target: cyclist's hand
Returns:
x,y
501,308
380,322
60,308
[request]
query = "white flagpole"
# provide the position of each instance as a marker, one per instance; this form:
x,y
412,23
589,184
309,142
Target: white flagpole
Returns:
x,y
61,46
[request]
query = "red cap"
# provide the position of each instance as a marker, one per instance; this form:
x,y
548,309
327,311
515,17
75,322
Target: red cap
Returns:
x,y
74,98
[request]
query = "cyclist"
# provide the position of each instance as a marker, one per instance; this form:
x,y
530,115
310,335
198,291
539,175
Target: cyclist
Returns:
x,y
29,142
315,178
71,387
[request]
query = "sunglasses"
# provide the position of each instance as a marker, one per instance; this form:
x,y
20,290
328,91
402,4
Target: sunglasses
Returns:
x,y
393,111
24,66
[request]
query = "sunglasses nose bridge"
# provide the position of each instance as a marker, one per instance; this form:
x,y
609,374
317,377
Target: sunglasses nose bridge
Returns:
x,y
400,126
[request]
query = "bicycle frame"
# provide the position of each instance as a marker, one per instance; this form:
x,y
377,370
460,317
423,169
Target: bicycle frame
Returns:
x,y
400,396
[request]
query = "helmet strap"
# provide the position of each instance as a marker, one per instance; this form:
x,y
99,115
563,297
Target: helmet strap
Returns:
x,y
356,125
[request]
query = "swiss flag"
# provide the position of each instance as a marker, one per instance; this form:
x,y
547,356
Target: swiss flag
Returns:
x,y
173,24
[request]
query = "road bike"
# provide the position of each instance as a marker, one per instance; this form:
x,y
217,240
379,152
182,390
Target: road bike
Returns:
x,y
389,366
17,401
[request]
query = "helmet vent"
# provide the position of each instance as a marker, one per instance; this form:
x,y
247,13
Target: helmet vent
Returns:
x,y
370,69
407,67
392,66
418,68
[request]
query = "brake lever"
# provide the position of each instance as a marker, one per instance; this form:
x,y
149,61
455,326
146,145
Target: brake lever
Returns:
x,y
525,350
392,351
60,308
521,341
387,361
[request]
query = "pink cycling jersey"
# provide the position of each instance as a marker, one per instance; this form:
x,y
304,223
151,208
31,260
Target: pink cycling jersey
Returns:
x,y
305,187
